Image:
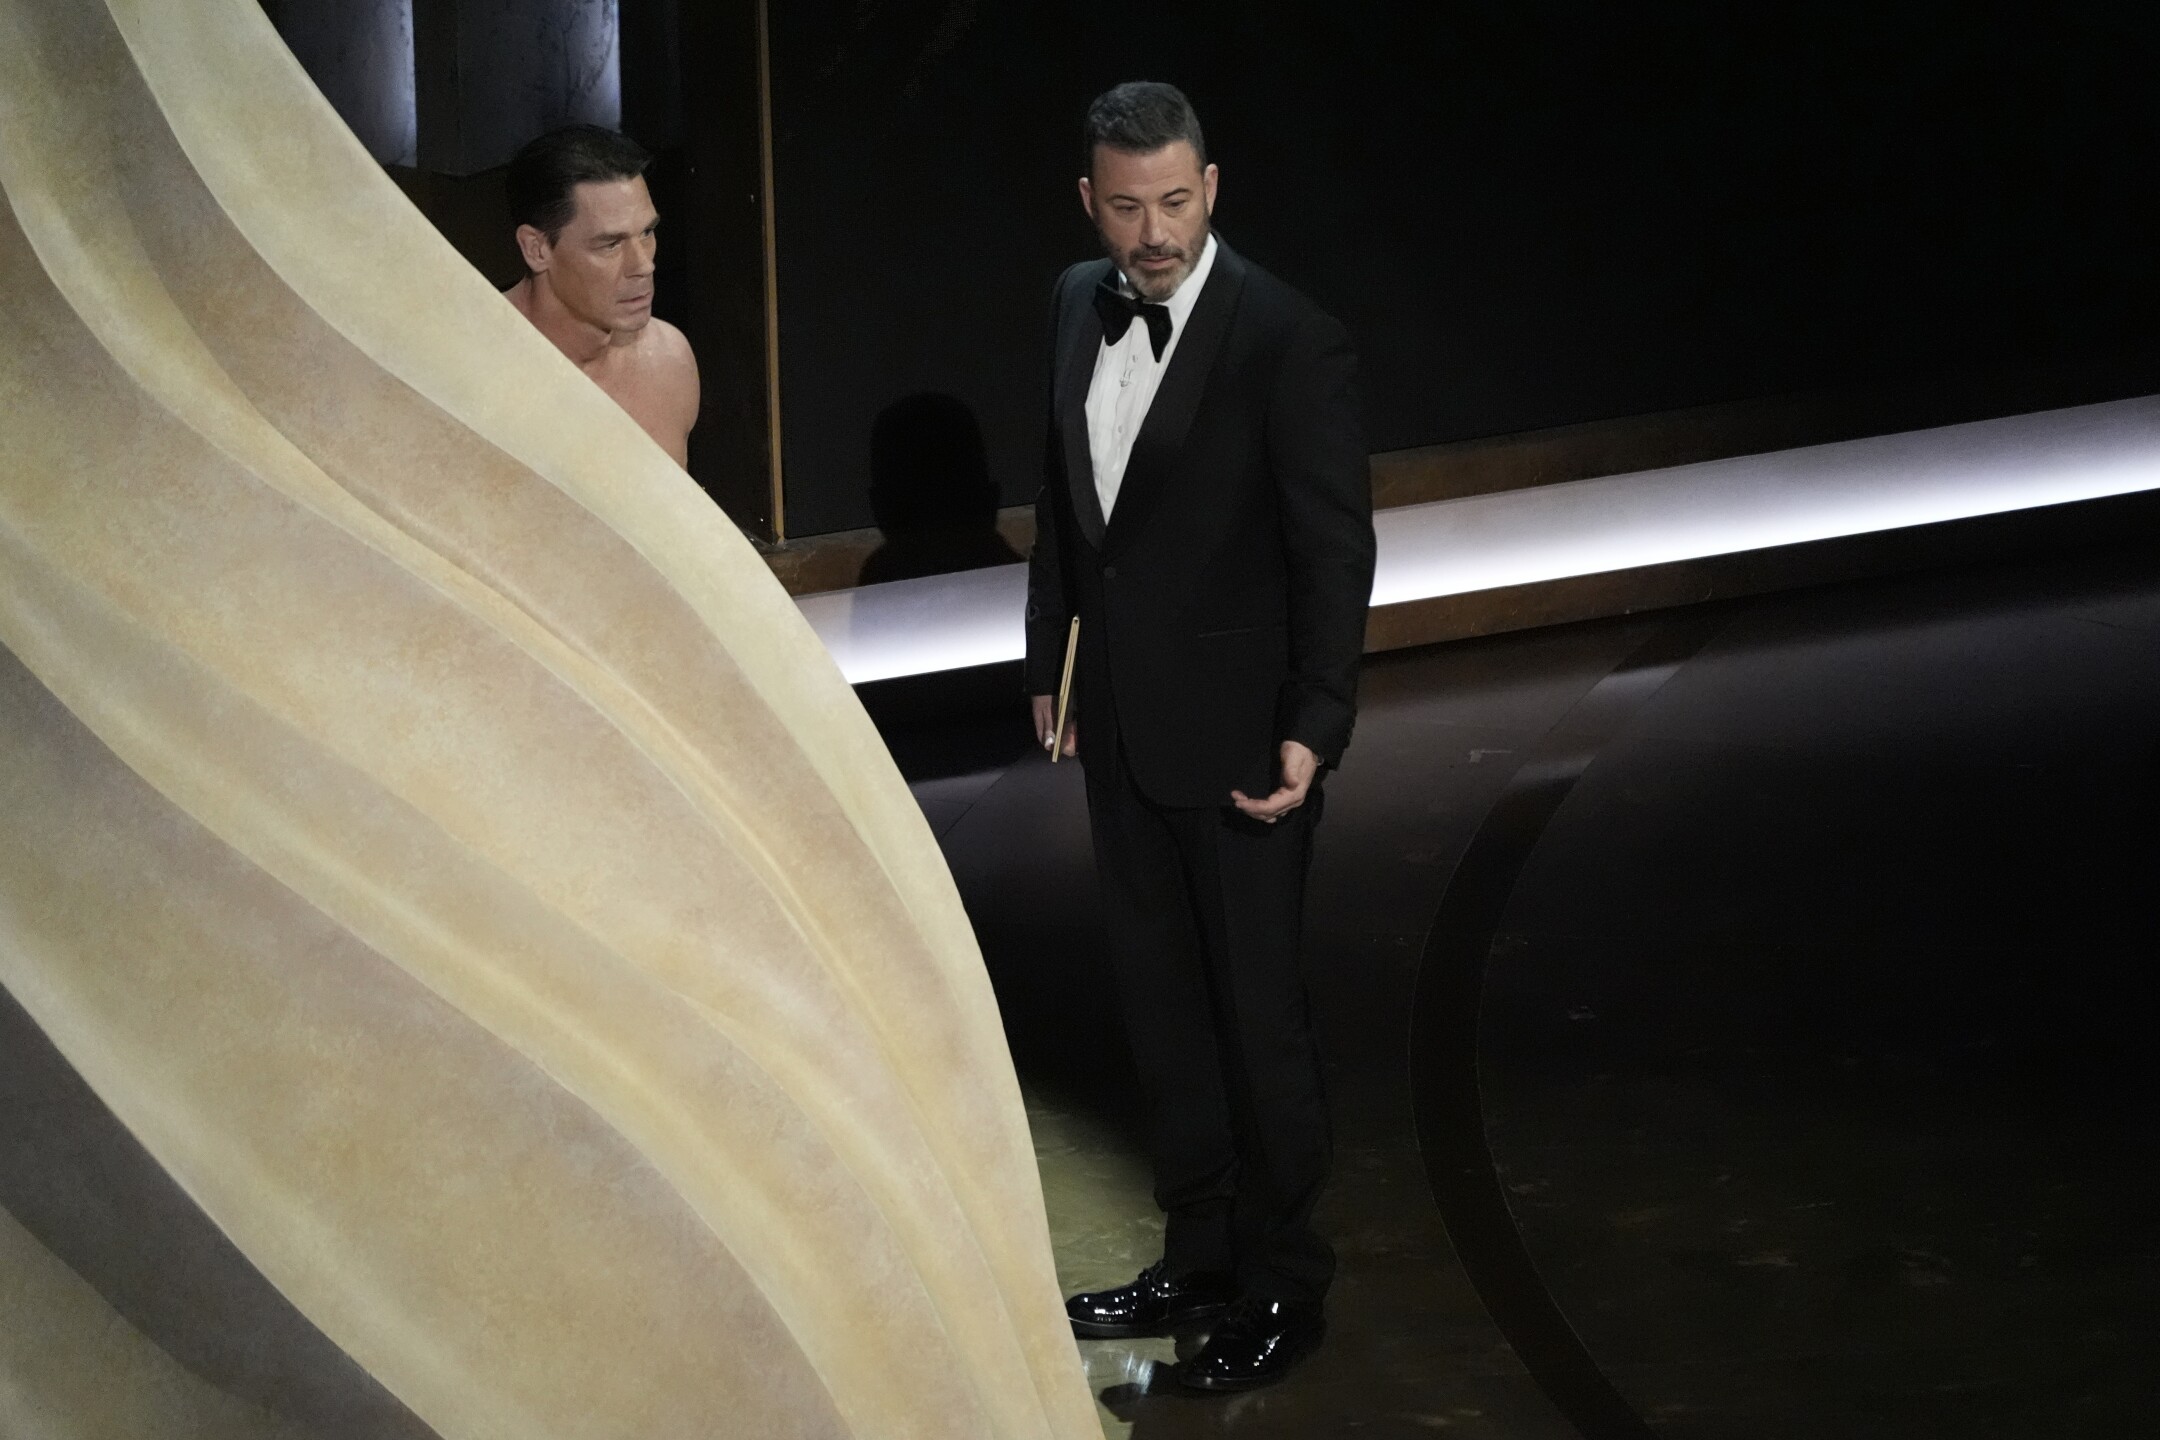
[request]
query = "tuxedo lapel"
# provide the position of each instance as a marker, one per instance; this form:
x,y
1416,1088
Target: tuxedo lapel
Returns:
x,y
1082,330
1170,416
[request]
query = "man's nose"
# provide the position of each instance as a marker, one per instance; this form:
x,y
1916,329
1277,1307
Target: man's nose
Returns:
x,y
642,254
1152,230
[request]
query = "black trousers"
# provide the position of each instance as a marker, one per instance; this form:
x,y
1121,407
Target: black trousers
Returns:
x,y
1204,909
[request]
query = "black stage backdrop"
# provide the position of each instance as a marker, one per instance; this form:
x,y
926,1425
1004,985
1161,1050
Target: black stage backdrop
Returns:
x,y
1528,212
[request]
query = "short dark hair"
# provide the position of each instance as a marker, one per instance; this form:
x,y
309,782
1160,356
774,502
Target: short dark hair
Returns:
x,y
1139,118
545,173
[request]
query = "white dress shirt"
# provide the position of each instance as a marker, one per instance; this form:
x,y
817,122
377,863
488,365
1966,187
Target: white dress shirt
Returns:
x,y
1126,377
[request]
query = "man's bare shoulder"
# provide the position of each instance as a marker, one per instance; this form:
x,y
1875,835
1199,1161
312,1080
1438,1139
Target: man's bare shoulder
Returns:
x,y
669,347
673,364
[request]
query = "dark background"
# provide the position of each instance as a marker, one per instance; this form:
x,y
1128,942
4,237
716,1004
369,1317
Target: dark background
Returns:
x,y
1530,213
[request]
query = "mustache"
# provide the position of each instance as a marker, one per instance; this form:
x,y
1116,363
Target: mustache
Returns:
x,y
1158,252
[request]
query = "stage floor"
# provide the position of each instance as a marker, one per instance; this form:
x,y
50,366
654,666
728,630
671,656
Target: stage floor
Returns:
x,y
1793,985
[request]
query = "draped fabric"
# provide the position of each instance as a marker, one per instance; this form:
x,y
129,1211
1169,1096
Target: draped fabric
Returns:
x,y
428,828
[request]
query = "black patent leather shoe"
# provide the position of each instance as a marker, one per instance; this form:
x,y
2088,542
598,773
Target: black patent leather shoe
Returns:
x,y
1256,1343
1154,1304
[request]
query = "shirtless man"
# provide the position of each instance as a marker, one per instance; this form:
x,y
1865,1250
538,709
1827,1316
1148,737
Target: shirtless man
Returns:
x,y
586,229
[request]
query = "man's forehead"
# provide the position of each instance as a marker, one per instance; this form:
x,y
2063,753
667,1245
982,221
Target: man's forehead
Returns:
x,y
611,204
1152,172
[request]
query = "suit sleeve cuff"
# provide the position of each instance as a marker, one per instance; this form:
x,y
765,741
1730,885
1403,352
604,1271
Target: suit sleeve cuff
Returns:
x,y
1321,727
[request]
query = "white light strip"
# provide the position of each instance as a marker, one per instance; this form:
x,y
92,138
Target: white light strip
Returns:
x,y
1589,527
1755,502
912,627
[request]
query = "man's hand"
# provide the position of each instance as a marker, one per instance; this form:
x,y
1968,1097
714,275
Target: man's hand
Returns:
x,y
1046,721
1299,765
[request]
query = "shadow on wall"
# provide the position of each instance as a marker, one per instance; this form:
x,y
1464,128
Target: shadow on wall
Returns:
x,y
931,492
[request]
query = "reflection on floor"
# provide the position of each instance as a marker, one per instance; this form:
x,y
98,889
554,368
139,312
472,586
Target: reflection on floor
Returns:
x,y
1813,1048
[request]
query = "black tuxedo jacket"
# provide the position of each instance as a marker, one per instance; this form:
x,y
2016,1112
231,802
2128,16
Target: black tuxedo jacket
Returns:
x,y
1222,607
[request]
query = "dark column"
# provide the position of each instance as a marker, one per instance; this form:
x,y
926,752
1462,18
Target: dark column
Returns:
x,y
724,206
652,74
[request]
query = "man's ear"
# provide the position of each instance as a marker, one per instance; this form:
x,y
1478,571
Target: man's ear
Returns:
x,y
1207,181
1087,197
534,246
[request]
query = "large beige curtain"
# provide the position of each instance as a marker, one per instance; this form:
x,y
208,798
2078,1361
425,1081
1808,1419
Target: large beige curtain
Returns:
x,y
428,828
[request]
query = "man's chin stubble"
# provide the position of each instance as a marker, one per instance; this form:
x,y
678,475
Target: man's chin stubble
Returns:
x,y
1157,288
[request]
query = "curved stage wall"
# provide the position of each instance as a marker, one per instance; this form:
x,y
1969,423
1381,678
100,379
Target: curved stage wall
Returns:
x,y
433,835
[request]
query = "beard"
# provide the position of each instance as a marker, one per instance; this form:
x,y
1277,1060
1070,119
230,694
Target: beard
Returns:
x,y
1160,285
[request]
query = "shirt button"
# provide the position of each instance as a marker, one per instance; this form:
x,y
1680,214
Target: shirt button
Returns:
x,y
1109,572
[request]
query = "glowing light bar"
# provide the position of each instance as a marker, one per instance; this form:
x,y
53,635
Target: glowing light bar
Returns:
x,y
912,627
1589,527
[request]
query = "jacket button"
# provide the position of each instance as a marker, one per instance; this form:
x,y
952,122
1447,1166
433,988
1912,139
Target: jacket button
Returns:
x,y
1109,572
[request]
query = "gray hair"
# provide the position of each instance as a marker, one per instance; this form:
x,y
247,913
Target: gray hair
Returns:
x,y
1141,117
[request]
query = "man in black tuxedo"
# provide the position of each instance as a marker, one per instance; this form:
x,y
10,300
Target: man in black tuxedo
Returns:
x,y
1207,514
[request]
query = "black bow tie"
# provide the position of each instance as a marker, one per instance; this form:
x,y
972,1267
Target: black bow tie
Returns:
x,y
1118,309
